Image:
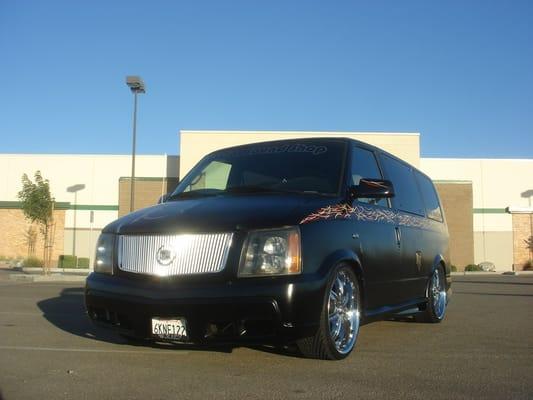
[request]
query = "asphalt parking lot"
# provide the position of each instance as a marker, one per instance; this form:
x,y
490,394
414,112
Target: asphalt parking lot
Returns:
x,y
484,349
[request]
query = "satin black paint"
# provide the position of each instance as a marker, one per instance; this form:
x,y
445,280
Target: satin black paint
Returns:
x,y
393,253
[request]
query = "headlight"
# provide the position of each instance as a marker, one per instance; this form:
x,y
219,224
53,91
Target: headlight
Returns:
x,y
103,260
272,252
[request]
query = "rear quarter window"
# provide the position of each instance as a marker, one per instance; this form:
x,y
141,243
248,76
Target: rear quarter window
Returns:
x,y
430,197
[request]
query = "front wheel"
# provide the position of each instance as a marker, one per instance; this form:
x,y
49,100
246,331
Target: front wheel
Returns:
x,y
339,319
437,299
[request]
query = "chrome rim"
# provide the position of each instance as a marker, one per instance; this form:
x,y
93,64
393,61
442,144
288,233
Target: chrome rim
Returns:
x,y
438,294
343,312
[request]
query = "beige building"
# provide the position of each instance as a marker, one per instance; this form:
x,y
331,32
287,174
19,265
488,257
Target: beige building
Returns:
x,y
93,190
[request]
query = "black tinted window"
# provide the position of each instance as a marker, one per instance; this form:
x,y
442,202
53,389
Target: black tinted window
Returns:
x,y
406,193
430,197
364,165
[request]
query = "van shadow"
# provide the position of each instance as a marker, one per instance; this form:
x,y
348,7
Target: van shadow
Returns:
x,y
67,312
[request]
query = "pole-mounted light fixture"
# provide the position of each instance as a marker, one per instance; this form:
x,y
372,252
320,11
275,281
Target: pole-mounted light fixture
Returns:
x,y
136,84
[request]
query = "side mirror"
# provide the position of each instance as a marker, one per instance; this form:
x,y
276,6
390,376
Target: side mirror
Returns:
x,y
372,189
163,199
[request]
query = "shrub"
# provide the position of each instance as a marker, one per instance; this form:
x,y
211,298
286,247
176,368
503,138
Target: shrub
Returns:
x,y
83,262
66,261
453,268
473,267
528,266
32,262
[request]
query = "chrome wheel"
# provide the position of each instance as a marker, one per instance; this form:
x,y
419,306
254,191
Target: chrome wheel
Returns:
x,y
343,311
437,294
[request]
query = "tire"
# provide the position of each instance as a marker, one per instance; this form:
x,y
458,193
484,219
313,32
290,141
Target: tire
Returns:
x,y
340,318
437,300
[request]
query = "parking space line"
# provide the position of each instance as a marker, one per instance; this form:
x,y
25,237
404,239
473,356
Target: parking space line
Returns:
x,y
80,350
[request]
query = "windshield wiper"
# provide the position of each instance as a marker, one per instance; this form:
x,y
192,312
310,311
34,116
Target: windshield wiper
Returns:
x,y
194,193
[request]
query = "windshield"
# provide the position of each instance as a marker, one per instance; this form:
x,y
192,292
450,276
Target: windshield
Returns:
x,y
302,167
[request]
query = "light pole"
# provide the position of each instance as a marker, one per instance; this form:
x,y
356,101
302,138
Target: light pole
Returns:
x,y
75,189
136,84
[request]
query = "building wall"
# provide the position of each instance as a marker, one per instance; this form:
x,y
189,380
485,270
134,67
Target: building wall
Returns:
x,y
495,247
147,192
456,199
13,237
496,184
81,241
194,145
522,231
98,176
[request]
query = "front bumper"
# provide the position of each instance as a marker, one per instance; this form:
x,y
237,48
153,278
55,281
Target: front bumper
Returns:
x,y
256,310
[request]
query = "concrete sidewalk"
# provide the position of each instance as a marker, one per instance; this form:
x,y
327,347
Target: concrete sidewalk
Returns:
x,y
36,274
78,271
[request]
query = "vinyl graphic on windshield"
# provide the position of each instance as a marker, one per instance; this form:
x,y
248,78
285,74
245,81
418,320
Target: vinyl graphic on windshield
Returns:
x,y
312,149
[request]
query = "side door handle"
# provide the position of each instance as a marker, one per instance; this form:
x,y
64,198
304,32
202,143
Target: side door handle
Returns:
x,y
398,236
418,259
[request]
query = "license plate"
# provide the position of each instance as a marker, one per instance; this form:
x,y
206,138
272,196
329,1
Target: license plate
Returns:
x,y
175,329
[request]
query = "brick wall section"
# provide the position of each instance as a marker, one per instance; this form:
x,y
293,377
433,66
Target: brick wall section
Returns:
x,y
522,230
147,192
13,242
457,202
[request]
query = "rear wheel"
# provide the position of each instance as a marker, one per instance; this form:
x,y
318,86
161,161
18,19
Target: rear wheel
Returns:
x,y
339,320
437,300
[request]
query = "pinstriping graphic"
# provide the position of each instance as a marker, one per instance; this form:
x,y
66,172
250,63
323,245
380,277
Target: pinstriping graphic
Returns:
x,y
360,212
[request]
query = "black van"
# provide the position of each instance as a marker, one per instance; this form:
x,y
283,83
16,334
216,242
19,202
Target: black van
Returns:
x,y
296,241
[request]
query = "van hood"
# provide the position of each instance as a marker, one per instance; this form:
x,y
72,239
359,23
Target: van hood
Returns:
x,y
220,214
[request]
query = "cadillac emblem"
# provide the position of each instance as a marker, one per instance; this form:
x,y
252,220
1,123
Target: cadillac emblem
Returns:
x,y
165,255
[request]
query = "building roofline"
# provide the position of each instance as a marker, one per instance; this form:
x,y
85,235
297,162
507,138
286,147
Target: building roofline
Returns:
x,y
378,133
82,155
476,159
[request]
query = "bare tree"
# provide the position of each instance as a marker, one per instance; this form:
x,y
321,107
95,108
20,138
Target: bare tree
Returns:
x,y
30,236
529,246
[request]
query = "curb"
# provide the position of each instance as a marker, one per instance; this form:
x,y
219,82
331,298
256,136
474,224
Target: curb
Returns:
x,y
478,273
80,271
518,273
47,278
496,273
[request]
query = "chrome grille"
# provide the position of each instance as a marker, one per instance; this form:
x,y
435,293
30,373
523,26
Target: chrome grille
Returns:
x,y
167,255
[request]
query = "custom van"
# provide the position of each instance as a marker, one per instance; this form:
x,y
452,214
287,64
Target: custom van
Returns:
x,y
294,241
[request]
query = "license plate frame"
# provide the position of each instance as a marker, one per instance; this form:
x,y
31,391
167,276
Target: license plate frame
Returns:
x,y
171,328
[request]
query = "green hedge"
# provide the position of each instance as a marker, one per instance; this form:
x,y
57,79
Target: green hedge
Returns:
x,y
83,262
66,261
32,262
473,267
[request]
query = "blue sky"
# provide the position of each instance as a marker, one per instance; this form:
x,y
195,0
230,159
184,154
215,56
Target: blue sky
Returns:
x,y
459,72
